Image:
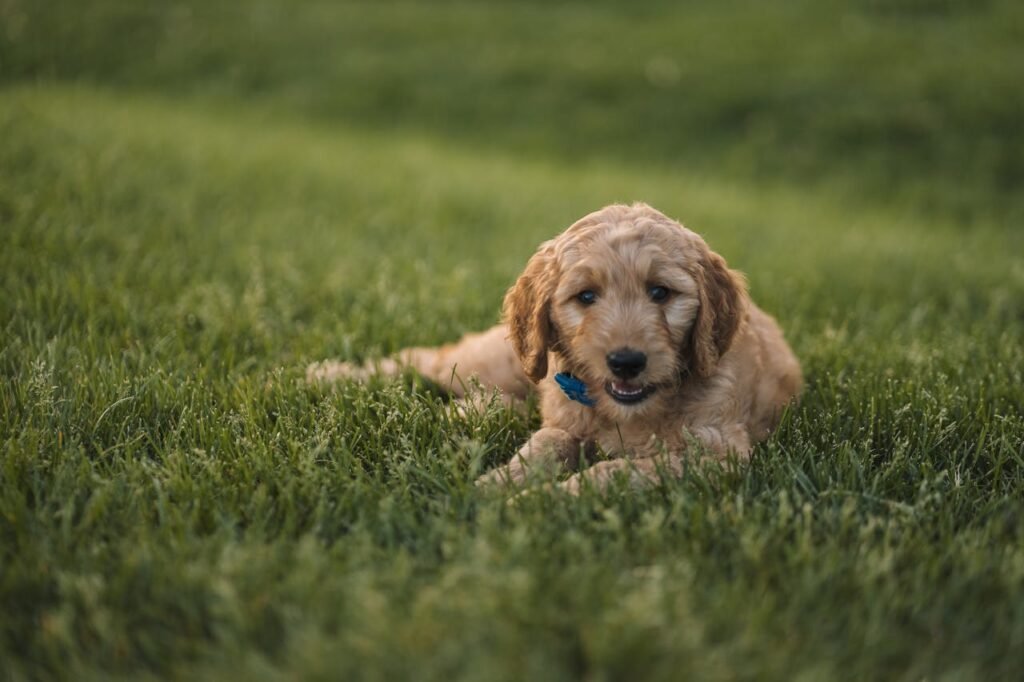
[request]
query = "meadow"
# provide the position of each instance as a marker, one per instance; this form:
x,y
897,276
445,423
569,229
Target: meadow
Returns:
x,y
199,199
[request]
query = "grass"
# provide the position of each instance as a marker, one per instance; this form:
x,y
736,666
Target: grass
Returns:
x,y
178,240
916,99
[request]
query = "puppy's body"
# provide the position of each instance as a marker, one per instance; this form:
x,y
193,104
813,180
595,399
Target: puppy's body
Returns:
x,y
662,334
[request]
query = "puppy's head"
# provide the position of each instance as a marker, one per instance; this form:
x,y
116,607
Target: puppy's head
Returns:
x,y
630,302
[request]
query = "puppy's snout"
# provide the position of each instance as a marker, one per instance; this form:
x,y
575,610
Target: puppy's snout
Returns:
x,y
626,363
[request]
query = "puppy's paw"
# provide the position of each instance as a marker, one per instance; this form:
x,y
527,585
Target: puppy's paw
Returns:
x,y
511,475
495,478
571,485
330,371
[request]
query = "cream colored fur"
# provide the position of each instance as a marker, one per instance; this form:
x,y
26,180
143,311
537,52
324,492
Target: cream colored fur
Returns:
x,y
718,370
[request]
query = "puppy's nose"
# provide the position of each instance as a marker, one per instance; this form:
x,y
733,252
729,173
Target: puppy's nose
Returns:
x,y
626,363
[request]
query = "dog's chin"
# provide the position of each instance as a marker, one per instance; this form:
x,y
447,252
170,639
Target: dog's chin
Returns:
x,y
629,393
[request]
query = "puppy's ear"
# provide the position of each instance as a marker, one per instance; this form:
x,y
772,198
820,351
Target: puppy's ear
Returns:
x,y
722,294
527,312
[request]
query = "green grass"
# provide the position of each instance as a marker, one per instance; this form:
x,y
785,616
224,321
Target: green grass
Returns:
x,y
185,224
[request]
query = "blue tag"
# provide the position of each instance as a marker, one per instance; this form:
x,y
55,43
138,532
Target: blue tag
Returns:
x,y
573,388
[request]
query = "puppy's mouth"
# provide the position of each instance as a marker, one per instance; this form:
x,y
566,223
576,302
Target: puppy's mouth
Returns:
x,y
629,392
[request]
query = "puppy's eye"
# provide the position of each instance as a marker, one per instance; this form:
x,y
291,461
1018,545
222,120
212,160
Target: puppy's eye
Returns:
x,y
586,297
658,294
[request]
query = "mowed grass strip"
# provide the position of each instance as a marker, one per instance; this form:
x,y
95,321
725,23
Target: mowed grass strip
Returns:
x,y
174,499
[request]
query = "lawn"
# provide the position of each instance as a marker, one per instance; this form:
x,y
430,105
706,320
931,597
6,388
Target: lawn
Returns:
x,y
199,199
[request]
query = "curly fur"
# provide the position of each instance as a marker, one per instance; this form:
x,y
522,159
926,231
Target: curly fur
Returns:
x,y
718,371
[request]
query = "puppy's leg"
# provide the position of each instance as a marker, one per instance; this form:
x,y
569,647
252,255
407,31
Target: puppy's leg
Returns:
x,y
422,359
547,447
487,357
643,472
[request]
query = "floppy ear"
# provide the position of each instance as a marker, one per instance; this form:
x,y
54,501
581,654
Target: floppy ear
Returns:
x,y
527,312
722,294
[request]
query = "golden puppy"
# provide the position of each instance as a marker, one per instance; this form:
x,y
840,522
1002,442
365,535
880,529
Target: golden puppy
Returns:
x,y
641,342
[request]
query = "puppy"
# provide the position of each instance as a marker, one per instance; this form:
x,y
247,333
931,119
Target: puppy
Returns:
x,y
642,343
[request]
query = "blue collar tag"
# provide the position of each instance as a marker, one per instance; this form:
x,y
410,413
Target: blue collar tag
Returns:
x,y
573,388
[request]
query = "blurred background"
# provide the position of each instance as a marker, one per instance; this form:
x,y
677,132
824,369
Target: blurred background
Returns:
x,y
909,101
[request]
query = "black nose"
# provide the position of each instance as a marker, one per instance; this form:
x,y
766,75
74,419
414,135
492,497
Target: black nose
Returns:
x,y
626,363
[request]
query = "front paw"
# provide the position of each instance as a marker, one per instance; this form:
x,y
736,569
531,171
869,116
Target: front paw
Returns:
x,y
513,474
497,478
571,485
